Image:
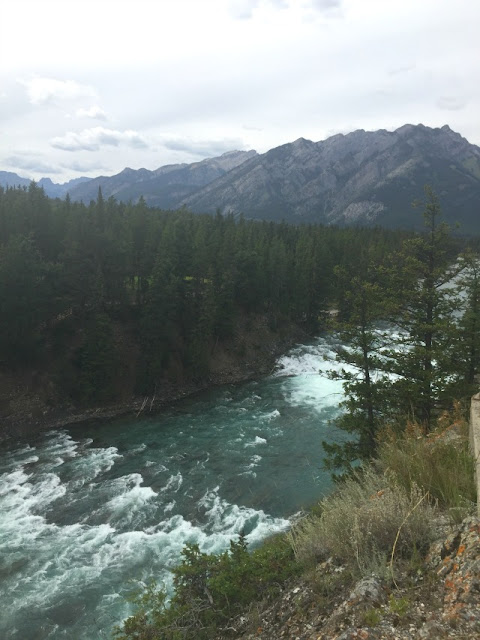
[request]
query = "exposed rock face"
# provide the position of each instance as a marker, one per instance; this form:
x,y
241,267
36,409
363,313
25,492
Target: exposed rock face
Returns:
x,y
164,187
359,178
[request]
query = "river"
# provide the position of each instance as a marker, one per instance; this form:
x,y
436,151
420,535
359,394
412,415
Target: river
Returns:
x,y
88,513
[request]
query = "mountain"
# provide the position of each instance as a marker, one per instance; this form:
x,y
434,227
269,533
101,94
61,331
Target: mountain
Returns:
x,y
359,178
52,189
9,179
165,187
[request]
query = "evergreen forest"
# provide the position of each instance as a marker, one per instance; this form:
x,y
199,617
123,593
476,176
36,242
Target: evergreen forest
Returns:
x,y
100,293
116,299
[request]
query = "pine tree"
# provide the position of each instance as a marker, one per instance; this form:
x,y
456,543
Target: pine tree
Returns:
x,y
366,388
465,349
423,315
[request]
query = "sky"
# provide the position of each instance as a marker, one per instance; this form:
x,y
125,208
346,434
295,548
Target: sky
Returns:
x,y
89,87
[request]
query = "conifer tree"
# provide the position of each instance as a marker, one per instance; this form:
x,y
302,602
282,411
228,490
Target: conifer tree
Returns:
x,y
465,349
423,315
363,358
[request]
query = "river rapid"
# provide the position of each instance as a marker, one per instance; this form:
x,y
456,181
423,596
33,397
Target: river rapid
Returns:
x,y
89,513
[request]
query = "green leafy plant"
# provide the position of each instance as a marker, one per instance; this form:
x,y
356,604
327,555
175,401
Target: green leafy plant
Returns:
x,y
372,617
209,590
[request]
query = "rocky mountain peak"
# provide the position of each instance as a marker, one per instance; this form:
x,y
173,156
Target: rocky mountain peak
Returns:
x,y
363,177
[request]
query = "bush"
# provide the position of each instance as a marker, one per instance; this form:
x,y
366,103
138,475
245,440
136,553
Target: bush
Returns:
x,y
368,516
209,590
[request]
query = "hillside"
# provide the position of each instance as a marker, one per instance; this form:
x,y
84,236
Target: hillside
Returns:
x,y
360,178
164,187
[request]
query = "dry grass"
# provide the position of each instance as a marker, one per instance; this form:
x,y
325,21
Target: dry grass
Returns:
x,y
363,521
440,464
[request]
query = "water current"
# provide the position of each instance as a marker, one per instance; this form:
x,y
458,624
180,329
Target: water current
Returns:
x,y
88,513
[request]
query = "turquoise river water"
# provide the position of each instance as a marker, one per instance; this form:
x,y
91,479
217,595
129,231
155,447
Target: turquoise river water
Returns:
x,y
88,513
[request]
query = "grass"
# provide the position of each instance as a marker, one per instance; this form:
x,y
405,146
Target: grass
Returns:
x,y
361,523
440,464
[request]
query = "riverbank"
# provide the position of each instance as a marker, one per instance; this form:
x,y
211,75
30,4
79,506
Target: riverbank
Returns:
x,y
31,401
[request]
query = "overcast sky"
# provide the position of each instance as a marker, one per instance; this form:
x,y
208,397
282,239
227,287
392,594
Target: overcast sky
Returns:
x,y
89,87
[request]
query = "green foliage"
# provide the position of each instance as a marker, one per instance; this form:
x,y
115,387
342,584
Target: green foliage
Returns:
x,y
26,295
433,351
464,348
423,315
366,390
399,606
209,590
175,282
96,360
372,617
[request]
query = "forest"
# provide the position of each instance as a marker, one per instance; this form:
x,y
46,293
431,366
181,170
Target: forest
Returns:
x,y
77,282
81,286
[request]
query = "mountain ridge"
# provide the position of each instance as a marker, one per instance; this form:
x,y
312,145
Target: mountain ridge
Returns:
x,y
361,177
357,178
162,187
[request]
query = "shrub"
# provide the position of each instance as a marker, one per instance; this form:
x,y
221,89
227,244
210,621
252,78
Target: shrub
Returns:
x,y
363,521
209,590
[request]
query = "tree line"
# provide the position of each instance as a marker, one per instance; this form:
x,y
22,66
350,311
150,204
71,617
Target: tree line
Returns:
x,y
88,289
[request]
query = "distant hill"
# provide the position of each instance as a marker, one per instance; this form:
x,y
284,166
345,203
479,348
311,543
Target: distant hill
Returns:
x,y
164,187
367,178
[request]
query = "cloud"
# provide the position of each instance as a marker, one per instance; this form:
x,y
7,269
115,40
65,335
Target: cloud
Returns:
x,y
83,167
243,9
47,90
95,112
30,164
325,5
451,103
395,71
203,148
97,137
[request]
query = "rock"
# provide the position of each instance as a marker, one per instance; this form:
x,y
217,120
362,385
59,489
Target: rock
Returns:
x,y
368,591
431,631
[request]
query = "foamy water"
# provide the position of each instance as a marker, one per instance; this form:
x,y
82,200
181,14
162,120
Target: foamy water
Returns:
x,y
89,512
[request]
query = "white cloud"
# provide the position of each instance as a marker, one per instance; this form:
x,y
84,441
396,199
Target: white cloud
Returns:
x,y
95,138
94,112
47,90
244,9
83,167
325,5
288,69
451,103
203,148
31,164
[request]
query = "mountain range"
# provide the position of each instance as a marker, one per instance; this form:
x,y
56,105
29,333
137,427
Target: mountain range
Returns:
x,y
366,178
52,189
